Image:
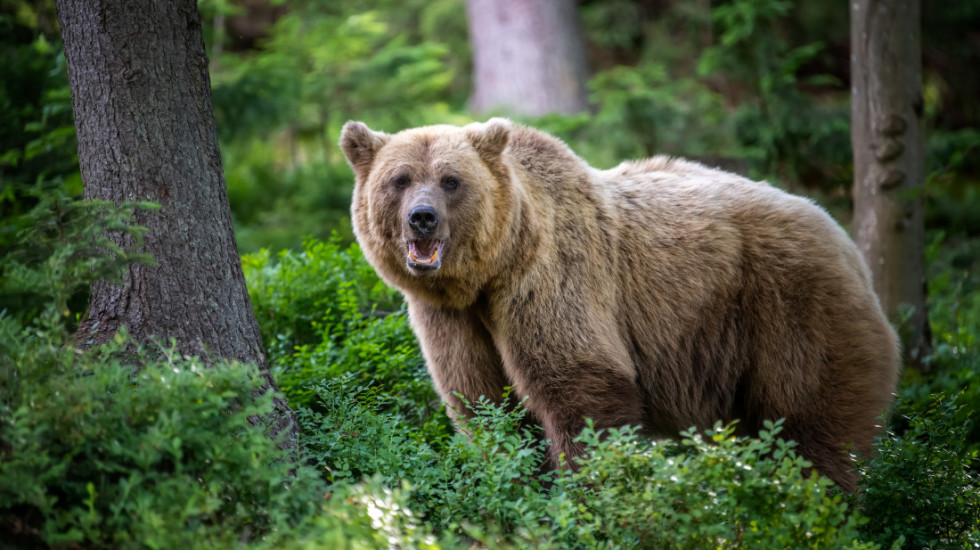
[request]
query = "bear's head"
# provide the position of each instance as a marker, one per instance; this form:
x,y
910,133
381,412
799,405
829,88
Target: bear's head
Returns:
x,y
432,205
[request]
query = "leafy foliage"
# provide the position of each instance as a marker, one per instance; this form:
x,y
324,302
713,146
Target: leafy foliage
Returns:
x,y
711,490
108,450
327,316
162,457
37,145
326,284
921,486
69,248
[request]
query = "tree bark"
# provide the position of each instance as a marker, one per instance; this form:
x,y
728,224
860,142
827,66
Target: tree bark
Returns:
x,y
528,57
889,160
141,95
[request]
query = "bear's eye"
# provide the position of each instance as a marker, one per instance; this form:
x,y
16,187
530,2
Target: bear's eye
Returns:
x,y
402,181
450,182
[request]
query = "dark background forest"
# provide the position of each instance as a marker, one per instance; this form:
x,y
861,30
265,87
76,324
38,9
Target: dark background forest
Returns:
x,y
95,454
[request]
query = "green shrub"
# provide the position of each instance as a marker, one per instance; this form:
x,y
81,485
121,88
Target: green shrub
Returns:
x,y
954,317
922,485
482,485
360,517
294,293
351,433
708,490
55,249
325,315
99,453
163,457
486,484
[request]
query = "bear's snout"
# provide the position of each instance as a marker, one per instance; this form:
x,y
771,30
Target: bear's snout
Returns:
x,y
424,220
425,247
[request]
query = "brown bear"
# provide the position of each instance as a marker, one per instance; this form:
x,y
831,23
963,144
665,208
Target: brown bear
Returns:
x,y
658,293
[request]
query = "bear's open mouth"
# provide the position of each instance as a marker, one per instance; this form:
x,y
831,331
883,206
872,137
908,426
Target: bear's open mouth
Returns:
x,y
425,253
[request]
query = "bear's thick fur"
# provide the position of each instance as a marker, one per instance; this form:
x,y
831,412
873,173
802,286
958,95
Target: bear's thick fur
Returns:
x,y
659,293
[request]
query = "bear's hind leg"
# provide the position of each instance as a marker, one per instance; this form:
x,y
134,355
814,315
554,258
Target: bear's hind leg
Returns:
x,y
830,456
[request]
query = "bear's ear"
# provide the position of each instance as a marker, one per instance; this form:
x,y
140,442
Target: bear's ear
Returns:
x,y
489,139
360,144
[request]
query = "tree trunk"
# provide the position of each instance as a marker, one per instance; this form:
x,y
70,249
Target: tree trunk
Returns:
x,y
141,95
528,57
889,164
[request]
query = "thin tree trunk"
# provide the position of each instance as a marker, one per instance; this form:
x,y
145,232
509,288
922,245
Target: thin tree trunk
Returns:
x,y
141,95
889,164
528,57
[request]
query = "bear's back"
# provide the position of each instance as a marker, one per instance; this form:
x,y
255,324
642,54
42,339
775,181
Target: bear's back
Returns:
x,y
737,282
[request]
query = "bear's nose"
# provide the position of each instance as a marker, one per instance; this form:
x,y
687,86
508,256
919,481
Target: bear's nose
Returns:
x,y
423,219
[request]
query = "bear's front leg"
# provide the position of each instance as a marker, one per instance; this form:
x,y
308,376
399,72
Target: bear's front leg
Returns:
x,y
460,356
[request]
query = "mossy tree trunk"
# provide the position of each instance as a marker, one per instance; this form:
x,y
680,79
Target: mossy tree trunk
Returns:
x,y
889,160
528,57
141,96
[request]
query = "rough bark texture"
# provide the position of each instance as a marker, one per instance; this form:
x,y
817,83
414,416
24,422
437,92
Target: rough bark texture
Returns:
x,y
889,166
528,57
141,95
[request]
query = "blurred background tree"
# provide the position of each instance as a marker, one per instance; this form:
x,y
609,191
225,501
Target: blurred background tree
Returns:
x,y
538,68
889,165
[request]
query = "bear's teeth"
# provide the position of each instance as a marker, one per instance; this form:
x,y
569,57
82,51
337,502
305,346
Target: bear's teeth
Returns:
x,y
413,253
